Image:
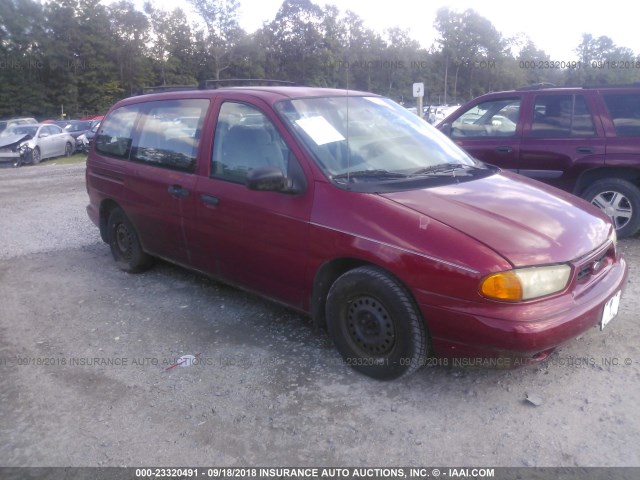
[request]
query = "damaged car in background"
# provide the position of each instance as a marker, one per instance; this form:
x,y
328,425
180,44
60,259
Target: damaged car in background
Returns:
x,y
34,142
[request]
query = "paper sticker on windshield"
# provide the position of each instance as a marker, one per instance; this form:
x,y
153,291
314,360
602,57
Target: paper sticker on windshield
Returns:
x,y
320,130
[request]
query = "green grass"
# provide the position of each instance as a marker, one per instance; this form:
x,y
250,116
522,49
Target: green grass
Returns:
x,y
76,158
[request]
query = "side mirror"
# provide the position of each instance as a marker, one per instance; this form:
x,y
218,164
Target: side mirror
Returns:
x,y
267,179
446,129
43,135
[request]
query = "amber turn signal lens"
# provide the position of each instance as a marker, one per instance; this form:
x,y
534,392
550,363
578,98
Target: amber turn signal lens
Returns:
x,y
502,286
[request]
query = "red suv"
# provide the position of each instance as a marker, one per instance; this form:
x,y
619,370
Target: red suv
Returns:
x,y
346,207
583,140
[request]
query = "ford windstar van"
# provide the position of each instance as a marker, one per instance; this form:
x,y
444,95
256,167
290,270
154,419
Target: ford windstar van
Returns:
x,y
345,206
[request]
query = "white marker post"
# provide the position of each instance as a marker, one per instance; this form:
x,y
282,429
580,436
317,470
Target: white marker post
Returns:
x,y
418,92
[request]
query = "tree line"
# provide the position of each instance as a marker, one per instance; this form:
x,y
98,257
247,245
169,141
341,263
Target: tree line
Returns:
x,y
78,57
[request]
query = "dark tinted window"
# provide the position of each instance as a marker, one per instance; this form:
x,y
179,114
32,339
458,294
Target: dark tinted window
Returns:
x,y
561,116
116,132
624,109
495,118
170,133
245,139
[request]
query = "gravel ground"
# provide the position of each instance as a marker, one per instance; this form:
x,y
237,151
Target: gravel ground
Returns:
x,y
86,379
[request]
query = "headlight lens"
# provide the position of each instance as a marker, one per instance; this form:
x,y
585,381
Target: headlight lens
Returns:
x,y
525,283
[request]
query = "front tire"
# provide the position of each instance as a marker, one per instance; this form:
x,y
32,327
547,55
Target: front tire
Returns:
x,y
35,156
125,245
620,200
375,324
68,150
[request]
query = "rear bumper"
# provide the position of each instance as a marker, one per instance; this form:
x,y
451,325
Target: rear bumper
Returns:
x,y
94,214
525,333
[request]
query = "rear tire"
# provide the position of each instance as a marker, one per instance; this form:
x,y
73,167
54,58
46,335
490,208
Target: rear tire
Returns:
x,y
375,324
125,245
620,200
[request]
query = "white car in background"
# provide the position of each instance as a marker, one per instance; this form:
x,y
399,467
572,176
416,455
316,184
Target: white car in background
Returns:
x,y
34,142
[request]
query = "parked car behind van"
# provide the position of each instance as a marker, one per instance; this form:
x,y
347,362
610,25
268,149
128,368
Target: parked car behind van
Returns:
x,y
582,140
347,207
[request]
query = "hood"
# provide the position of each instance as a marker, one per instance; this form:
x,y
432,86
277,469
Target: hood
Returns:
x,y
11,140
526,222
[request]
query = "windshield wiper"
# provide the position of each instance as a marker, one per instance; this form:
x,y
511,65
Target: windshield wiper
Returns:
x,y
379,173
445,169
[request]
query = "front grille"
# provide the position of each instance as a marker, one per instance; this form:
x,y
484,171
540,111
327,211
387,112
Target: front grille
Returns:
x,y
591,267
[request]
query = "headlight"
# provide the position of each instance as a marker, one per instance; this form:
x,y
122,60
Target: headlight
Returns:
x,y
525,283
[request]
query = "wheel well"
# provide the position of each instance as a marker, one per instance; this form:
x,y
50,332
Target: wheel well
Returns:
x,y
106,207
589,177
326,275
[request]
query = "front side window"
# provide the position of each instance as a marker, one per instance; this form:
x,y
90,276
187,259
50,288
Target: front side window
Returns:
x,y
170,133
245,139
115,136
494,118
561,116
624,109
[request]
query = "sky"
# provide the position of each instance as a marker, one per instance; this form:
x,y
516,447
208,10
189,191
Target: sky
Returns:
x,y
555,26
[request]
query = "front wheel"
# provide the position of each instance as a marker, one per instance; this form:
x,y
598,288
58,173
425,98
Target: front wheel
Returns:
x,y
35,156
125,245
68,150
620,200
375,324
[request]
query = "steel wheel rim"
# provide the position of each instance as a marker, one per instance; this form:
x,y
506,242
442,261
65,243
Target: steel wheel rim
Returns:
x,y
370,327
123,241
616,206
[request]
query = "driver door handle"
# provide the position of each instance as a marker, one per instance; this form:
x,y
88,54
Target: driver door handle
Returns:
x,y
504,149
210,200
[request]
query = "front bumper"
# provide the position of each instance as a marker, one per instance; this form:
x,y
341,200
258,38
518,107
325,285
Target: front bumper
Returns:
x,y
9,156
526,332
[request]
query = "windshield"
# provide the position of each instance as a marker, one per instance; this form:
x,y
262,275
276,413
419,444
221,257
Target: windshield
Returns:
x,y
371,139
20,130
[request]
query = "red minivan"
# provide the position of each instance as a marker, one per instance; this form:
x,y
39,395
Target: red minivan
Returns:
x,y
346,207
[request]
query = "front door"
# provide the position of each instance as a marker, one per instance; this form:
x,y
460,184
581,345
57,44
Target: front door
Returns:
x,y
256,239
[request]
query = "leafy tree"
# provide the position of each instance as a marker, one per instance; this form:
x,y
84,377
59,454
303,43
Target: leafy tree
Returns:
x,y
216,44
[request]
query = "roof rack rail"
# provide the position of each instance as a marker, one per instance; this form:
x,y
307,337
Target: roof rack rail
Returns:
x,y
537,86
613,85
167,88
214,84
264,81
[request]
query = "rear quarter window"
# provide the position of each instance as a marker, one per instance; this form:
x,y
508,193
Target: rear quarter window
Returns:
x,y
624,109
115,136
170,133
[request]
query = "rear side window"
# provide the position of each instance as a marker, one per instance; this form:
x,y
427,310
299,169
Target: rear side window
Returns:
x,y
561,116
170,133
494,118
115,136
624,109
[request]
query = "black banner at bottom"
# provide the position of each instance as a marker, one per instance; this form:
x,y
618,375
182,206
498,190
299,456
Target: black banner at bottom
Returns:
x,y
342,473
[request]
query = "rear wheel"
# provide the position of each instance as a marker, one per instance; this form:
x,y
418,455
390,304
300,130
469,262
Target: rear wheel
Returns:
x,y
375,324
125,244
620,200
